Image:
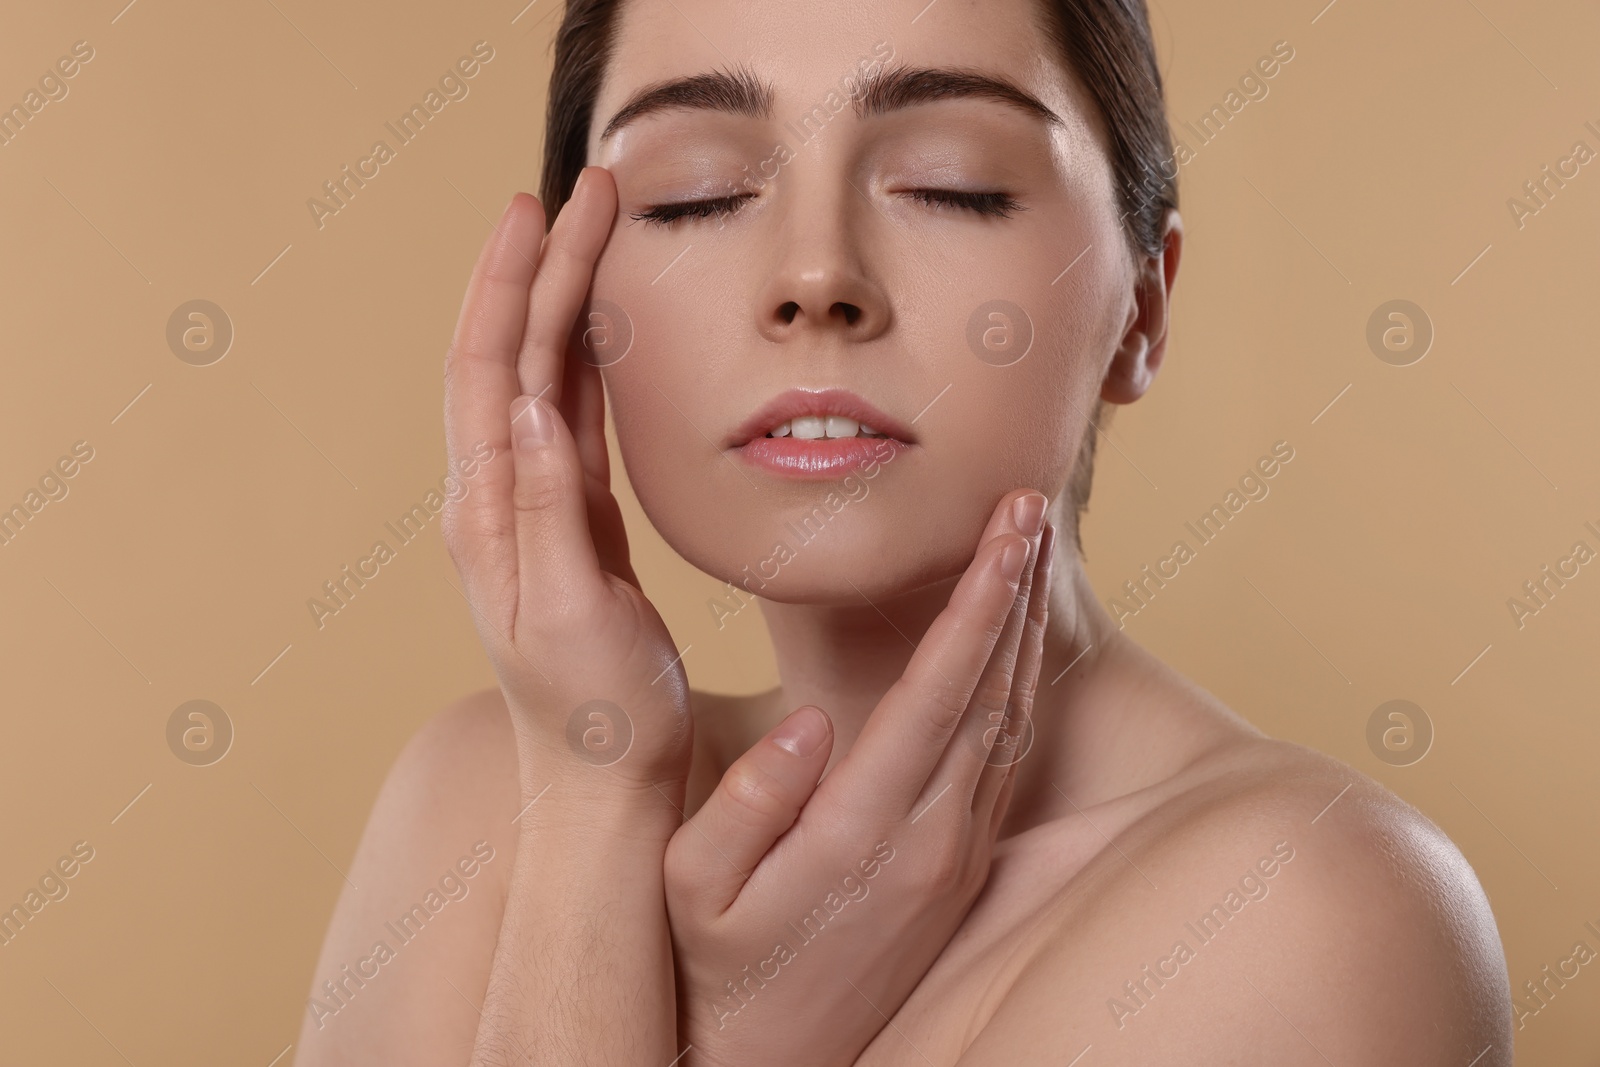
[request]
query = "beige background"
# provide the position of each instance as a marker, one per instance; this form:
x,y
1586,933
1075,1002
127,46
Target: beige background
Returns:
x,y
180,563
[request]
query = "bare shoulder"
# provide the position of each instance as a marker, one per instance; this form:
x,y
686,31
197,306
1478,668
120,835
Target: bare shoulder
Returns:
x,y
1276,907
406,958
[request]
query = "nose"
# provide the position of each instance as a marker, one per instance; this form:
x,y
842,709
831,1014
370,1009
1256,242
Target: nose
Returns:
x,y
821,284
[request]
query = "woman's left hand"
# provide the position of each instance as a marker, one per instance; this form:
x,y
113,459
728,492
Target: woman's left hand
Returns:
x,y
798,933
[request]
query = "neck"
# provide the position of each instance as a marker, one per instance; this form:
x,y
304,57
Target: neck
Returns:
x,y
843,659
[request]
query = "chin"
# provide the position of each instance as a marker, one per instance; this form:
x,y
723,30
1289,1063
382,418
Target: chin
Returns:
x,y
853,576
832,544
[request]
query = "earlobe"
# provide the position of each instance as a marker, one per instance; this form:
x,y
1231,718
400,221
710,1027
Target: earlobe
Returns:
x,y
1131,370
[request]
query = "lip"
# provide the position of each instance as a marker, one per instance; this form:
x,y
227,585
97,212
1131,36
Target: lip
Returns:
x,y
795,403
820,460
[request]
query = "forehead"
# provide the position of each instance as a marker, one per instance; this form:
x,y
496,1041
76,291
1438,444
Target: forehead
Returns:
x,y
807,48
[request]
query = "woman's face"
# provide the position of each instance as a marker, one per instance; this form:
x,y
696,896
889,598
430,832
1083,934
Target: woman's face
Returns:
x,y
856,258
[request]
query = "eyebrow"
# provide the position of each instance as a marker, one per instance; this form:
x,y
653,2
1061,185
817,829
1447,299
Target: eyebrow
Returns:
x,y
884,91
879,93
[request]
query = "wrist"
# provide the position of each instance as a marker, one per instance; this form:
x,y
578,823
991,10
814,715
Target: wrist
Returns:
x,y
566,796
603,756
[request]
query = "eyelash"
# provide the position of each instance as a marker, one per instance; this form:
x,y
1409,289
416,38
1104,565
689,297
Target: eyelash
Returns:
x,y
667,214
998,205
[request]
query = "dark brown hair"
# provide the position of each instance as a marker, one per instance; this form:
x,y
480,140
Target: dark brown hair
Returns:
x,y
1106,44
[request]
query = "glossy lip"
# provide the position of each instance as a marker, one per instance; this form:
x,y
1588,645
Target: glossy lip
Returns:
x,y
795,403
819,460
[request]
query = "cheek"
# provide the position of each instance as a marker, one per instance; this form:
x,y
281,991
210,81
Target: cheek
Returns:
x,y
994,422
670,426
666,348
1023,386
1005,428
1024,333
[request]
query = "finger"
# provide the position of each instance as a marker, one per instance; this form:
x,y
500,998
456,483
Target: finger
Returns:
x,y
609,532
1006,752
1002,804
912,725
961,764
757,800
566,270
558,572
481,381
584,406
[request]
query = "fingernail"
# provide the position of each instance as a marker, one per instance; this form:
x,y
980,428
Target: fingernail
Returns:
x,y
534,425
1012,559
1029,513
803,732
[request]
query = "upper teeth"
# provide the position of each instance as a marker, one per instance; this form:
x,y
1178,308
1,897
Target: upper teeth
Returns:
x,y
811,427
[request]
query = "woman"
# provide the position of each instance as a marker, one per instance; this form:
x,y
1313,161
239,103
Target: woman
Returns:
x,y
856,279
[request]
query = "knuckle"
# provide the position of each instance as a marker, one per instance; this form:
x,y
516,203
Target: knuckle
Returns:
x,y
754,797
452,359
554,617
501,270
994,689
1023,691
947,864
947,703
563,254
541,489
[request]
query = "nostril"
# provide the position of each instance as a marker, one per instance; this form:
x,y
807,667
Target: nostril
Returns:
x,y
789,310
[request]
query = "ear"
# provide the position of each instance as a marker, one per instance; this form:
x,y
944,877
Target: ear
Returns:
x,y
1144,343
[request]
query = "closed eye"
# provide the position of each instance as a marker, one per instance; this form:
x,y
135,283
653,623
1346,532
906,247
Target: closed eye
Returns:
x,y
667,214
1000,205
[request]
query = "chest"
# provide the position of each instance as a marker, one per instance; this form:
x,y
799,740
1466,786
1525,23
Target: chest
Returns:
x,y
962,989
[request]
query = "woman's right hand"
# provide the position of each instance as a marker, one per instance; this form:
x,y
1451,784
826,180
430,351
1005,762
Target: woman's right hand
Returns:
x,y
795,936
587,667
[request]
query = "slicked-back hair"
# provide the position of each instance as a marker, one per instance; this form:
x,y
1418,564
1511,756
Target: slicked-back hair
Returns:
x,y
1106,44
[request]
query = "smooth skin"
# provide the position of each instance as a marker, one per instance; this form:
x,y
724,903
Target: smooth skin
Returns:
x,y
1033,906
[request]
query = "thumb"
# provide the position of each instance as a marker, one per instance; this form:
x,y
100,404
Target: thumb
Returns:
x,y
714,854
